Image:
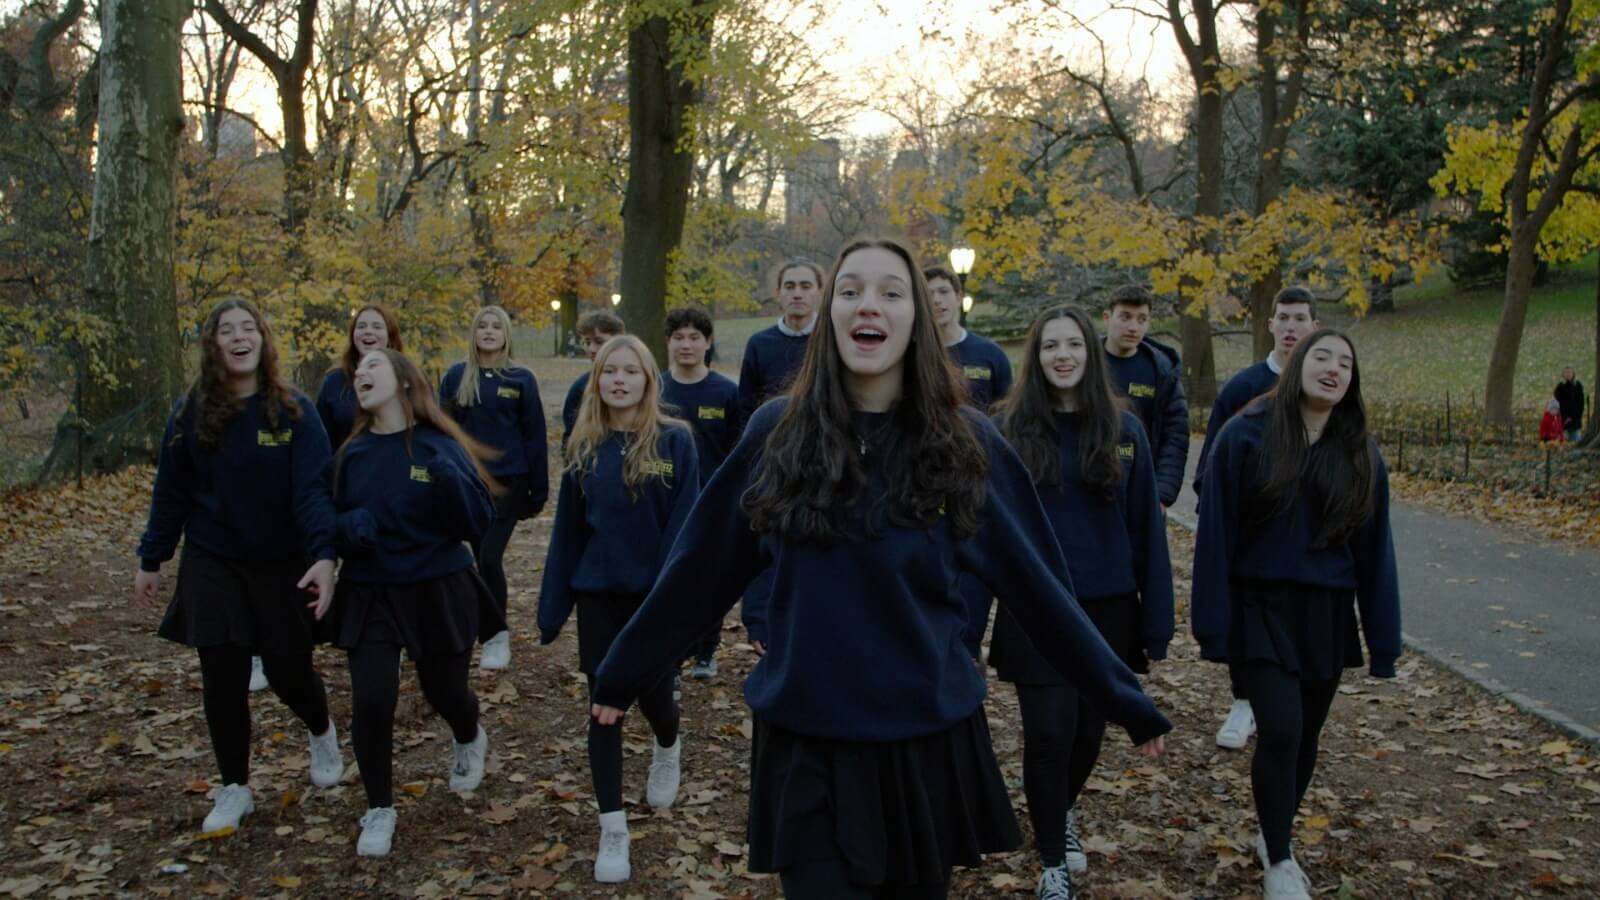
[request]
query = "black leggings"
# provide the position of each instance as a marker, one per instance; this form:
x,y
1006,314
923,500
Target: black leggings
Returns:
x,y
706,647
829,880
1236,681
1061,737
225,681
605,741
1290,712
491,555
375,689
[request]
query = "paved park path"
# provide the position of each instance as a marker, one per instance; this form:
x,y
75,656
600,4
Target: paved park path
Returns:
x,y
1517,615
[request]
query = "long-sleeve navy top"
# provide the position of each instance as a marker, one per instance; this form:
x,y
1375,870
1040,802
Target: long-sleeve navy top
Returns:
x,y
867,631
407,513
510,418
1245,385
771,361
1115,545
1236,539
336,404
609,540
569,406
711,407
986,367
259,495
1152,380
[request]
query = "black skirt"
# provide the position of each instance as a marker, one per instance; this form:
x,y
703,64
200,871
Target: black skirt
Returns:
x,y
601,617
442,616
895,813
1016,660
1308,630
254,605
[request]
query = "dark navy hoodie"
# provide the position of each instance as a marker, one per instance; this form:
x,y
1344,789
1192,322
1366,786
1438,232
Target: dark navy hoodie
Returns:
x,y
260,495
1161,407
867,631
508,417
985,367
1236,541
771,361
1245,385
336,404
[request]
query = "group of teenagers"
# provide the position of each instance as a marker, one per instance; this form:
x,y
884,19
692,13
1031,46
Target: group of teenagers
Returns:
x,y
871,484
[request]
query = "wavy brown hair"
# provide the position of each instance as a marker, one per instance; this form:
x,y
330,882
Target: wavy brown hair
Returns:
x,y
591,426
418,401
214,405
352,356
1027,415
1338,472
812,471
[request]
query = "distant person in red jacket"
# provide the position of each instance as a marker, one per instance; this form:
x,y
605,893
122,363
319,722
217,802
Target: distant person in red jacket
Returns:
x,y
1550,425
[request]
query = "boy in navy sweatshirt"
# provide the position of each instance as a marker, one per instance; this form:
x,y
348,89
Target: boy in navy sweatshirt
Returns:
x,y
773,355
596,327
1149,374
1294,317
709,402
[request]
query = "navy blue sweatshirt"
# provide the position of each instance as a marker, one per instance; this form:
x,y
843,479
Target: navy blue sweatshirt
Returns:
x,y
336,404
771,361
1234,542
510,418
606,539
569,406
1161,407
407,514
1115,545
986,367
1245,385
259,495
867,631
711,407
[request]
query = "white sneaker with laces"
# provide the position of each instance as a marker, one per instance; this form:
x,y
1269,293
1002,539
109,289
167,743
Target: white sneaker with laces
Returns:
x,y
611,863
1237,728
233,803
1055,884
377,832
327,764
1285,881
661,789
258,675
466,770
496,652
1077,862
704,668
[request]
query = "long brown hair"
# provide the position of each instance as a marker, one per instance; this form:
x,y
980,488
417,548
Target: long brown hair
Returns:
x,y
1339,469
352,356
417,400
1027,414
214,404
590,428
812,466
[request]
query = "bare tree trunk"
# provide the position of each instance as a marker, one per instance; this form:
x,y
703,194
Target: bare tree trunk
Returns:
x,y
131,275
1202,52
1590,438
1278,108
660,163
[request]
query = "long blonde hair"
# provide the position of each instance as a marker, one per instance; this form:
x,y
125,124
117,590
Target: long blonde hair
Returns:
x,y
640,461
467,390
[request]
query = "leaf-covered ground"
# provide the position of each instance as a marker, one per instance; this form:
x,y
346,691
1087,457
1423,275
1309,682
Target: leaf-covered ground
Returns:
x,y
1428,786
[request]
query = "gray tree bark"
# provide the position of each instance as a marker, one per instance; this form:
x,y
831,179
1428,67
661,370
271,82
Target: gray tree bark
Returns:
x,y
1202,52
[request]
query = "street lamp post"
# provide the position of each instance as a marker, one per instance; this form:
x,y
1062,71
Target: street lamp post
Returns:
x,y
555,307
961,260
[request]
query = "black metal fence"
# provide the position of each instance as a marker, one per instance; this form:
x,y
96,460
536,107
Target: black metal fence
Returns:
x,y
1449,443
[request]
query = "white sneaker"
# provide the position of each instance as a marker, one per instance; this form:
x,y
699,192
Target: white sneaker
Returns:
x,y
611,863
234,802
1055,884
377,832
496,652
661,789
258,675
1076,861
1240,724
704,668
466,772
1285,881
327,765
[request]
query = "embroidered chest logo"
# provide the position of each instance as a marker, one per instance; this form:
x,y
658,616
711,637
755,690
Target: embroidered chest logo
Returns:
x,y
275,438
977,373
712,412
658,467
1141,390
420,473
510,392
1124,451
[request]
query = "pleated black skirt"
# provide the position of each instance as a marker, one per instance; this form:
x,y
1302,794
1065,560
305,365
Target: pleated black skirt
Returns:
x,y
441,616
254,605
895,813
1309,630
1016,660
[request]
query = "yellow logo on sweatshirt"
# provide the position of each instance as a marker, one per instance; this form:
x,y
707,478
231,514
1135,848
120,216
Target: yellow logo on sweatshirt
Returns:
x,y
658,467
275,438
712,412
508,391
1141,390
420,473
977,373
1124,451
